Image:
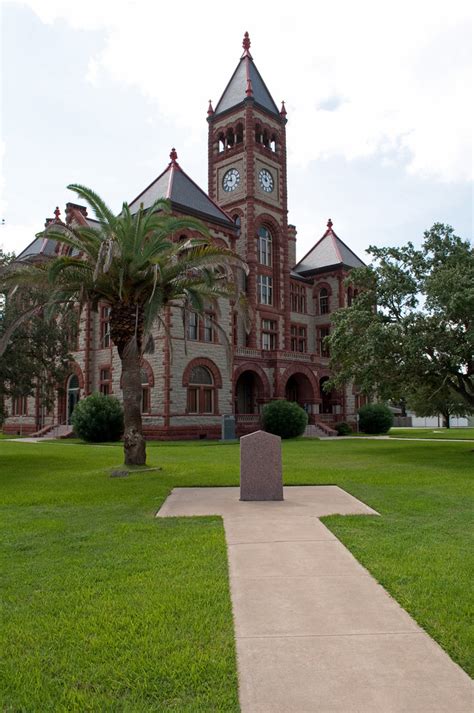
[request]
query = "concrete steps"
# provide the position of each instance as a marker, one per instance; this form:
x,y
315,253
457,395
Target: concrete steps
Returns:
x,y
315,431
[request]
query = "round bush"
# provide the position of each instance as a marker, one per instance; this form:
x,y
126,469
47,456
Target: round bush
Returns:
x,y
375,418
284,418
343,429
98,418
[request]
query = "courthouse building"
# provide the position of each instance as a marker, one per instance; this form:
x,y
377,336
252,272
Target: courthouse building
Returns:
x,y
189,384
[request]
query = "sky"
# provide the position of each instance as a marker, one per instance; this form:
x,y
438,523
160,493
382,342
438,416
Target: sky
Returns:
x,y
378,95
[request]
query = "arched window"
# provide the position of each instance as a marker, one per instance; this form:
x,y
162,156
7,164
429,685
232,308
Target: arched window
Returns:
x,y
221,143
258,134
265,139
323,301
201,388
230,138
349,296
146,391
239,135
273,143
237,221
264,246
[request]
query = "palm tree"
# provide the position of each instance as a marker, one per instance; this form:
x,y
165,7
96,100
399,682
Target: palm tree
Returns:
x,y
132,263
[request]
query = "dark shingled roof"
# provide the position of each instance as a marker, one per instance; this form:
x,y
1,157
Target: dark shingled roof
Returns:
x,y
235,92
246,82
46,247
329,252
39,247
185,195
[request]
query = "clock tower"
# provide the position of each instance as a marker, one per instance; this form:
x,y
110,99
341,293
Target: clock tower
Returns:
x,y
247,179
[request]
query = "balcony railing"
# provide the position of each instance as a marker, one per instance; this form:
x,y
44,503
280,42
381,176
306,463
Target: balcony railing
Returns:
x,y
248,418
273,354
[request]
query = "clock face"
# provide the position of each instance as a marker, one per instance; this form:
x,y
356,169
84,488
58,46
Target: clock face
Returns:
x,y
265,179
231,180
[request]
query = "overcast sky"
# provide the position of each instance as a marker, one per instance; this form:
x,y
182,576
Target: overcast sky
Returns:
x,y
378,94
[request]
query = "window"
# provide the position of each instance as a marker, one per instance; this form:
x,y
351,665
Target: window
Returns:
x,y
298,338
298,298
202,328
349,296
105,381
72,329
238,224
208,328
265,290
146,392
20,406
264,247
104,327
235,329
201,391
193,326
323,332
269,334
323,301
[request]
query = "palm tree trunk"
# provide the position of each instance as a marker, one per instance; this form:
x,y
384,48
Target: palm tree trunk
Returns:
x,y
133,440
126,327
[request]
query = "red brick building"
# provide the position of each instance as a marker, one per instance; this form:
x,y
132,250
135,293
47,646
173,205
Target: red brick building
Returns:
x,y
190,383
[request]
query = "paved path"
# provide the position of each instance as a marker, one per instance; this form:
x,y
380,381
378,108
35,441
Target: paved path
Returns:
x,y
315,633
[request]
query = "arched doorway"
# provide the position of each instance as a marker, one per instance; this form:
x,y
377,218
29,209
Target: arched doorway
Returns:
x,y
248,393
72,396
327,397
299,388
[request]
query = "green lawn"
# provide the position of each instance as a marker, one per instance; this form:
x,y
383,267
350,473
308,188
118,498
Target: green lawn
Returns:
x,y
107,608
456,433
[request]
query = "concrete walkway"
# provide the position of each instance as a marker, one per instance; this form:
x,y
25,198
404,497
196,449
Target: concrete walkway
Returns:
x,y
314,631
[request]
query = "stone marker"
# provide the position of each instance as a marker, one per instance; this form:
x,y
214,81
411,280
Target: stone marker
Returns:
x,y
228,427
260,467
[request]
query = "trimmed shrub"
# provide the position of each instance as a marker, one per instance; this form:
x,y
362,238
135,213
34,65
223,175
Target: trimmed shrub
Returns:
x,y
375,418
343,429
284,418
98,418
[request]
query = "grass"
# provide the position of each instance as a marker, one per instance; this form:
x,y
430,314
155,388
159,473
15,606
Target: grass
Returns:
x,y
107,608
449,433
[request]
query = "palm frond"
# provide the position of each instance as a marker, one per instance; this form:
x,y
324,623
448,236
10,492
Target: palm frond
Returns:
x,y
98,205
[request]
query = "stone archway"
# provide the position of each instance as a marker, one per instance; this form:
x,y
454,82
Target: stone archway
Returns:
x,y
69,393
72,396
298,388
299,384
249,393
331,401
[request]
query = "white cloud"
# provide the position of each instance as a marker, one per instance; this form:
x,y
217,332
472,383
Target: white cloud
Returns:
x,y
14,238
402,69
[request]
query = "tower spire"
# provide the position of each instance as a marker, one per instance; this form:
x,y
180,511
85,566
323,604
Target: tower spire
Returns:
x,y
173,157
246,46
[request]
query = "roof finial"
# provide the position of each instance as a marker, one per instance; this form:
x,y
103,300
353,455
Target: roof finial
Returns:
x,y
210,110
283,109
173,155
329,223
57,213
246,46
